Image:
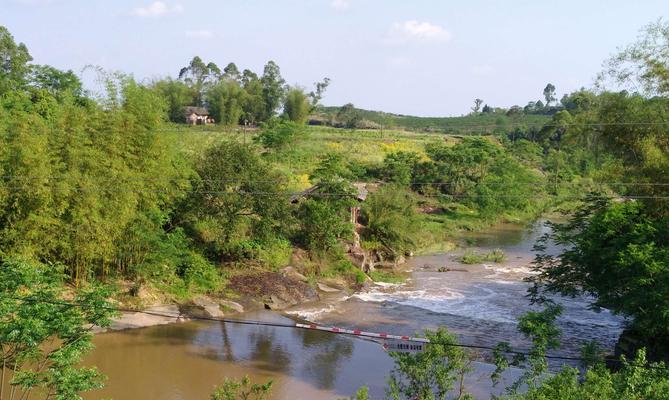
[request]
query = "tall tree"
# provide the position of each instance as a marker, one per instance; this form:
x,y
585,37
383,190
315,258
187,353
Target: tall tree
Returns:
x,y
177,95
226,102
254,104
248,76
349,116
296,106
231,72
317,94
273,88
549,94
616,253
237,198
198,76
477,106
14,59
644,65
55,81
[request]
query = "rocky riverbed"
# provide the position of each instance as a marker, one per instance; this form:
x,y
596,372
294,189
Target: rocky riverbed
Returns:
x,y
477,302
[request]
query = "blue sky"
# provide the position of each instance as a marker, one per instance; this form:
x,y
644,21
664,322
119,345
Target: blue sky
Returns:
x,y
421,57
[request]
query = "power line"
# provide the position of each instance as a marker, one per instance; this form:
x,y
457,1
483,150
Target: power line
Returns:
x,y
437,129
100,189
333,330
11,178
446,125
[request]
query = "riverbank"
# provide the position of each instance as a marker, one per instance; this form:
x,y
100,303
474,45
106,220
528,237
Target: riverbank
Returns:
x,y
245,292
186,361
293,286
479,303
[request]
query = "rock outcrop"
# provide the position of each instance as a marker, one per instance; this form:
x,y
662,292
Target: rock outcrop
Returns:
x,y
156,315
202,307
275,290
292,273
327,289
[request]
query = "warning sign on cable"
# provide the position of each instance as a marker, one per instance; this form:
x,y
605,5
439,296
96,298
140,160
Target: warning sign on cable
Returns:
x,y
402,346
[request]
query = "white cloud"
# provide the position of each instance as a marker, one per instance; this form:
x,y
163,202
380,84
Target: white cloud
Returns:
x,y
157,9
422,31
340,4
200,34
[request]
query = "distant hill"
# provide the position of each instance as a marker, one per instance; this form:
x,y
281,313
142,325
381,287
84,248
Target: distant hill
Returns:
x,y
482,123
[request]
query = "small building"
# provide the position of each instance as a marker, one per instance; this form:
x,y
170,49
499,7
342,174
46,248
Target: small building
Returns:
x,y
197,116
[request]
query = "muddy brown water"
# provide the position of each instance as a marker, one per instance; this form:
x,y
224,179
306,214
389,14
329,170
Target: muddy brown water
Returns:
x,y
186,360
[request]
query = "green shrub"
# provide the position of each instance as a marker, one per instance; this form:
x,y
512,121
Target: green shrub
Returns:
x,y
345,269
296,105
471,257
474,257
275,253
389,277
200,275
277,135
496,255
398,167
321,225
244,389
391,219
430,374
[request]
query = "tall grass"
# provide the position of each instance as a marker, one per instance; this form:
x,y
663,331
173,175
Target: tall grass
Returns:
x,y
473,257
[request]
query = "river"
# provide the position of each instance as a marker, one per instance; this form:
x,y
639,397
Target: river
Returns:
x,y
480,305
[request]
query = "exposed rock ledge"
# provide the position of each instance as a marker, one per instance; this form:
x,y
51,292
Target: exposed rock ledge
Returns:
x,y
156,315
200,307
276,291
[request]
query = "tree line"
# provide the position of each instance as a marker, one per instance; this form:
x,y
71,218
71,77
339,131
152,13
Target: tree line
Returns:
x,y
235,97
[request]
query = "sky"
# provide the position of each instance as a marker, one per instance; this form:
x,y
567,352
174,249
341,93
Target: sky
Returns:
x,y
417,57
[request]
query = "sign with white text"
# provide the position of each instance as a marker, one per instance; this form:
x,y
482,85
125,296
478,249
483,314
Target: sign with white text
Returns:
x,y
403,346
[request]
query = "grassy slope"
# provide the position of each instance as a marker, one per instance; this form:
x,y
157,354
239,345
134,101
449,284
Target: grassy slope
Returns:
x,y
367,147
298,161
469,124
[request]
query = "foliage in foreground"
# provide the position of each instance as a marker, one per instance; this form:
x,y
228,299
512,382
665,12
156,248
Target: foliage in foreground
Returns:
x,y
432,374
43,338
241,390
618,254
636,380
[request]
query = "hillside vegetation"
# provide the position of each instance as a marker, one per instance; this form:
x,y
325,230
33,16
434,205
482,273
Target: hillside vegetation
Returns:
x,y
111,189
494,122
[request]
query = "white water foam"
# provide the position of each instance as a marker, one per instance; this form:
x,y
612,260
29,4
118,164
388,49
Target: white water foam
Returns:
x,y
387,285
524,270
445,302
312,314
